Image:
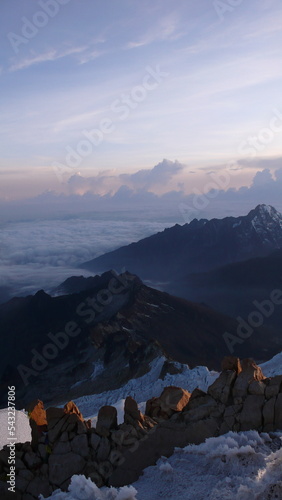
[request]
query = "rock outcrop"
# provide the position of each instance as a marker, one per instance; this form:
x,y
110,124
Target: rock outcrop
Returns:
x,y
64,444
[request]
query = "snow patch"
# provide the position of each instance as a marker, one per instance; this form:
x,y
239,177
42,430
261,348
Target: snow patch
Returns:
x,y
23,430
272,367
146,387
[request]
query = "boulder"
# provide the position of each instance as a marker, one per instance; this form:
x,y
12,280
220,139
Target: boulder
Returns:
x,y
103,450
94,440
250,417
37,413
79,445
131,411
173,399
71,407
107,420
273,386
221,389
250,372
231,363
63,467
257,388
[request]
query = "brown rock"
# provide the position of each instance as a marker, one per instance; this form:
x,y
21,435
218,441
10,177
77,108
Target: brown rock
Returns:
x,y
231,363
173,399
221,389
37,413
72,408
131,409
107,420
250,372
202,408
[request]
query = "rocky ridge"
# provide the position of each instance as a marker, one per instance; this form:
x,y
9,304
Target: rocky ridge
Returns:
x,y
64,444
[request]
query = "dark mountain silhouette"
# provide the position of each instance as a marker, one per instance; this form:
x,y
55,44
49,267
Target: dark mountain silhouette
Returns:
x,y
233,289
199,246
123,325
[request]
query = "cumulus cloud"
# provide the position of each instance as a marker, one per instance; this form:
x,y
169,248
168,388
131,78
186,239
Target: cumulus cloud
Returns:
x,y
155,179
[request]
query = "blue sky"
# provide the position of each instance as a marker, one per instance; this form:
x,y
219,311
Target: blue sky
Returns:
x,y
175,79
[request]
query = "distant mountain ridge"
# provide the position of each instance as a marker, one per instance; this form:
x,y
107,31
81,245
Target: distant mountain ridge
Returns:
x,y
201,245
134,326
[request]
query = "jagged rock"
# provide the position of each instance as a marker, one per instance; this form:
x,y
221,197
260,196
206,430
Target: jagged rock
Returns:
x,y
71,407
231,363
250,372
220,390
80,446
251,415
107,420
173,399
37,413
63,467
103,450
131,410
37,420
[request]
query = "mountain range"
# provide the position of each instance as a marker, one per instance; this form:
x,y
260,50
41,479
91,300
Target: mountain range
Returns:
x,y
97,333
199,246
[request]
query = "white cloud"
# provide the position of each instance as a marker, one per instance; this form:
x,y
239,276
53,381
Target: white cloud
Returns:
x,y
50,55
155,179
42,254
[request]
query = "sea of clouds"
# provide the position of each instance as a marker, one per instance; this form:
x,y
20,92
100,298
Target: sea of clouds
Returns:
x,y
41,254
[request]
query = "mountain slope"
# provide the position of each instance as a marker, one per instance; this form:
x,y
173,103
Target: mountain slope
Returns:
x,y
233,289
95,347
199,246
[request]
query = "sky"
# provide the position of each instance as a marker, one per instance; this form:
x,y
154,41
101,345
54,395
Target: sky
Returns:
x,y
143,95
